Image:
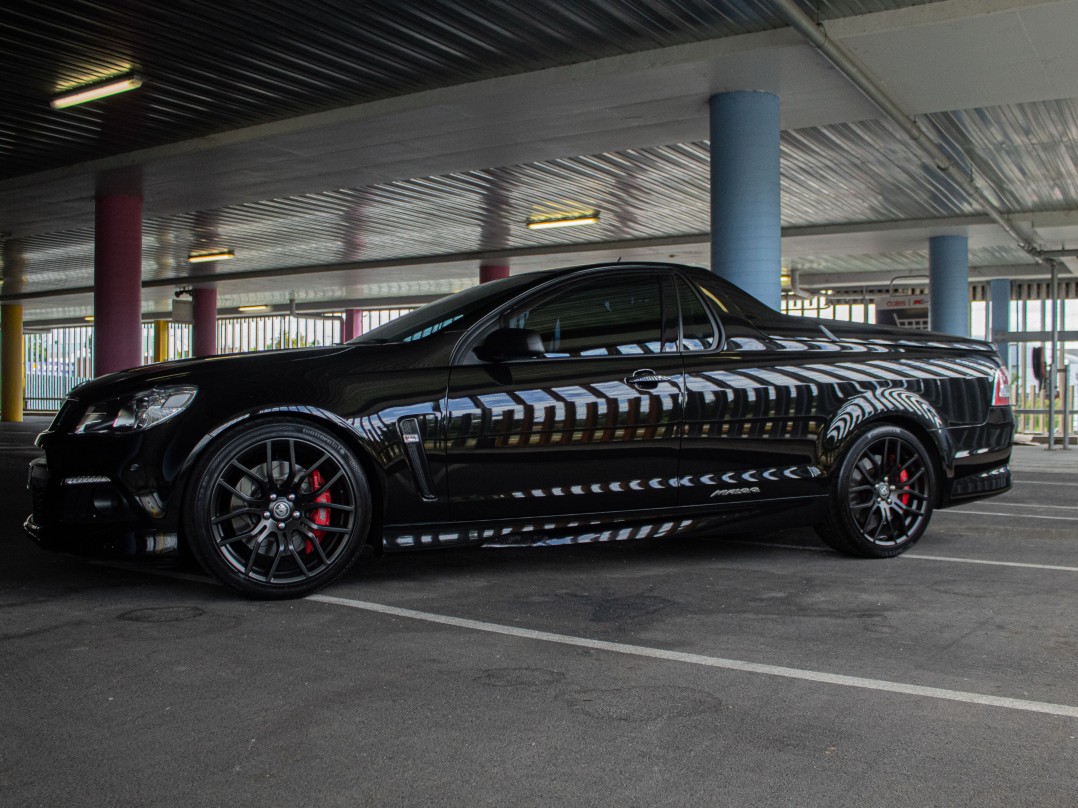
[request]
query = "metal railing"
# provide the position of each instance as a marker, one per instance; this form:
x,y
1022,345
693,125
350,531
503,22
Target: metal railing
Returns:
x,y
58,359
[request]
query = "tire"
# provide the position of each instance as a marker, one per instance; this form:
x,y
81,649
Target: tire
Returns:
x,y
883,495
242,532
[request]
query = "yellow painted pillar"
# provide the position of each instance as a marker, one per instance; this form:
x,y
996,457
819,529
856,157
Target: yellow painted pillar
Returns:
x,y
160,340
11,362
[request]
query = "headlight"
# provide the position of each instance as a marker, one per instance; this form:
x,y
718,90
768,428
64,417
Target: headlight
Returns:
x,y
138,411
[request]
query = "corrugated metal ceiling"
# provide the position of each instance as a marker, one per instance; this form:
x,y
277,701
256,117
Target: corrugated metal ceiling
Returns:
x,y
836,175
210,67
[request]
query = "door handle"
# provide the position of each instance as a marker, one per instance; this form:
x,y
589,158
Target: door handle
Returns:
x,y
647,379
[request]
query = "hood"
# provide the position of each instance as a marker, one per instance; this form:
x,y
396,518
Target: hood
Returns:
x,y
206,368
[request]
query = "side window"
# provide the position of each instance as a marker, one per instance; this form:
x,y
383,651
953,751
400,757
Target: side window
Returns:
x,y
600,318
697,330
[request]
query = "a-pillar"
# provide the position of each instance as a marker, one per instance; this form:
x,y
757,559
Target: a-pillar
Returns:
x,y
11,362
204,330
948,277
117,282
491,271
746,226
352,324
999,293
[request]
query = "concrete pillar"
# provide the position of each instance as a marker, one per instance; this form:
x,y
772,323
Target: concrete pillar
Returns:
x,y
12,369
746,226
160,340
493,271
999,293
117,283
352,326
948,275
204,330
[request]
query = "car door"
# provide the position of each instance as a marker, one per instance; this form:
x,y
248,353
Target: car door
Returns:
x,y
589,426
749,427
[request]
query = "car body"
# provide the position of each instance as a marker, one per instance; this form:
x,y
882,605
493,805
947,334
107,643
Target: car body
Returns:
x,y
585,404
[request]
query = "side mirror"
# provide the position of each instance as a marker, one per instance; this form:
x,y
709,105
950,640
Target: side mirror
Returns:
x,y
505,344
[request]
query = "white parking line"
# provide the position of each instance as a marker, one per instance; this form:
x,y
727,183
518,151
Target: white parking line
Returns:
x,y
996,513
998,504
707,661
1043,482
919,557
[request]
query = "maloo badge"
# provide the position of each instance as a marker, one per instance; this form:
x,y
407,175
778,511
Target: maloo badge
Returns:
x,y
729,492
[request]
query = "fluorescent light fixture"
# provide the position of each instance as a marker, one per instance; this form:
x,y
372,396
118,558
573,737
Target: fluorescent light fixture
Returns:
x,y
88,318
260,307
201,256
568,220
100,89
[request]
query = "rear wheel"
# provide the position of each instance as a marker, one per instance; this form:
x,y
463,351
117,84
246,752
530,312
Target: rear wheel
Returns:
x,y
883,494
281,508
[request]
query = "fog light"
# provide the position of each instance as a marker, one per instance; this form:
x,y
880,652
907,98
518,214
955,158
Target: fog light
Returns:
x,y
162,543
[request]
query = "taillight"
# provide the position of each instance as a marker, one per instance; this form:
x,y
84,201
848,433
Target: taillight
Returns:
x,y
1001,395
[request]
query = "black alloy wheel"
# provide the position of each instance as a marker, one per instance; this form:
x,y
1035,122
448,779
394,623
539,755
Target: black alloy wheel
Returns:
x,y
279,510
883,497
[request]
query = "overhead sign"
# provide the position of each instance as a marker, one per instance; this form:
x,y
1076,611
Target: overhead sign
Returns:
x,y
905,311
183,311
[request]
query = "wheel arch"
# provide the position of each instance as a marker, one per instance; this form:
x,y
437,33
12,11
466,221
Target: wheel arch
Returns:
x,y
361,448
895,407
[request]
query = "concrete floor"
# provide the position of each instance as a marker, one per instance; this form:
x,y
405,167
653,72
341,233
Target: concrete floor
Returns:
x,y
760,671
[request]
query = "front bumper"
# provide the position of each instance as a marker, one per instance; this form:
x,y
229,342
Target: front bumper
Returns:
x,y
94,513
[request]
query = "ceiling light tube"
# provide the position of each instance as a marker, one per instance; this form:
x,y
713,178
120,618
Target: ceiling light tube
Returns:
x,y
541,223
210,255
260,307
92,92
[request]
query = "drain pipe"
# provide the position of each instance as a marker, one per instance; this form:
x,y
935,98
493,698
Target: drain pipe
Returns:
x,y
844,62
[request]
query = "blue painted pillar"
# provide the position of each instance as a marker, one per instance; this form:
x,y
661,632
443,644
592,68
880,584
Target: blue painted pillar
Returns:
x,y
948,276
999,292
746,226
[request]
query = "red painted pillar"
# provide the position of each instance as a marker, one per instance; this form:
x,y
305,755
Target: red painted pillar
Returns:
x,y
492,272
204,329
117,283
353,324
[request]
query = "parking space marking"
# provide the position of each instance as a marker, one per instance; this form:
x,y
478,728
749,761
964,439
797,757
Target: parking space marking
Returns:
x,y
998,504
1023,515
920,557
1044,482
707,661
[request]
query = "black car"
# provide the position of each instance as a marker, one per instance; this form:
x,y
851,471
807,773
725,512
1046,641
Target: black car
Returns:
x,y
595,403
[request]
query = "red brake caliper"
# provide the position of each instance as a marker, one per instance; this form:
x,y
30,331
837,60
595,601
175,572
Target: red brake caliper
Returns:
x,y
321,516
903,476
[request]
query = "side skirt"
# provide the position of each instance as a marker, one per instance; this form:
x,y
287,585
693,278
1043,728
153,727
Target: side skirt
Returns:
x,y
588,528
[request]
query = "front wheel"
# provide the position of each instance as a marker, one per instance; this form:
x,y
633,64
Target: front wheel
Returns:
x,y
882,496
281,508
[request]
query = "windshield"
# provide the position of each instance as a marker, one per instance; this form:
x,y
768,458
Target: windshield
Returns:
x,y
439,315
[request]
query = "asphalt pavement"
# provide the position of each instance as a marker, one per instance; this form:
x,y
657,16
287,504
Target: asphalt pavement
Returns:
x,y
717,671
